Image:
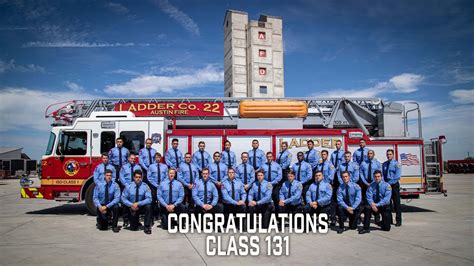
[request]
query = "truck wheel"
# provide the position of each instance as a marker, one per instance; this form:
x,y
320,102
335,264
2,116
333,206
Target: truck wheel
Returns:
x,y
89,201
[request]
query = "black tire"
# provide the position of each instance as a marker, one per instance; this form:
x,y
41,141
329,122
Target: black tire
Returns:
x,y
89,201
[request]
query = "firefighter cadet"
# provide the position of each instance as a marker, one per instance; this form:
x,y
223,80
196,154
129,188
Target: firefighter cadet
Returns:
x,y
348,166
100,169
234,195
201,158
106,198
245,172
170,196
337,158
256,156
273,174
290,195
137,199
311,155
284,160
217,172
367,169
360,155
303,172
118,156
228,156
349,198
157,172
326,167
145,157
174,156
128,169
260,200
319,196
188,173
378,202
392,171
205,195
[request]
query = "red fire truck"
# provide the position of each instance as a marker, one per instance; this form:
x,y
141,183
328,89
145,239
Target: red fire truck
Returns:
x,y
83,129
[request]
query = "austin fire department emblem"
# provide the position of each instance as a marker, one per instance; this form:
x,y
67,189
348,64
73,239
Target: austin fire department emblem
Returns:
x,y
156,138
71,167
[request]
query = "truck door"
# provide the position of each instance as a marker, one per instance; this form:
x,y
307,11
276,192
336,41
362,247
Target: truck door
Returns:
x,y
133,134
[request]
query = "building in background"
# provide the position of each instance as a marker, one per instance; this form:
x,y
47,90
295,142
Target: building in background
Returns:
x,y
12,160
253,56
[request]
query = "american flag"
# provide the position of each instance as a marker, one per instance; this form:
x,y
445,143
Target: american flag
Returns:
x,y
409,159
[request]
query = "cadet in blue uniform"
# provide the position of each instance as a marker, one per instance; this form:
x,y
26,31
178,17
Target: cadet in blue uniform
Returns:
x,y
348,166
145,158
311,156
367,169
217,173
205,195
360,155
245,171
392,171
349,198
137,198
318,196
260,200
284,160
256,156
378,201
273,175
99,171
118,157
157,172
201,158
173,156
228,156
234,195
170,196
303,172
326,167
337,158
106,198
188,174
128,169
290,195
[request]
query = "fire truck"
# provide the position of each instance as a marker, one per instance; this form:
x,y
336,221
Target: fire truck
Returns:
x,y
83,129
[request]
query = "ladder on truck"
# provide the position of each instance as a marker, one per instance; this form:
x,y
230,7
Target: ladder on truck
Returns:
x,y
433,166
360,113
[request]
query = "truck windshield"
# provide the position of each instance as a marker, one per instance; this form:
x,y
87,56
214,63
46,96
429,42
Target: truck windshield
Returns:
x,y
49,149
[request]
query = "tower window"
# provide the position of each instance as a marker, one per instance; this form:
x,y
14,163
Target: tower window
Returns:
x,y
263,89
262,53
261,35
262,71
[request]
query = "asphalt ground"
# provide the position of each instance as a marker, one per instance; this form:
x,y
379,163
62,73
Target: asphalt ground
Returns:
x,y
436,230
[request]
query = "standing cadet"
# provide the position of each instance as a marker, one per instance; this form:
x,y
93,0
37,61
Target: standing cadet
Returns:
x,y
284,160
188,173
128,169
245,171
303,172
145,157
348,166
349,198
137,199
360,155
311,155
256,156
228,156
174,156
234,195
106,198
205,195
326,167
378,202
170,196
217,172
319,196
367,169
337,158
260,200
157,172
99,171
290,195
118,156
273,174
392,171
201,157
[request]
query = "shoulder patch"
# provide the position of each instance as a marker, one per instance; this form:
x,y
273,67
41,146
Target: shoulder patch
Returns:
x,y
389,187
330,186
398,165
301,186
357,185
269,186
331,167
356,167
290,155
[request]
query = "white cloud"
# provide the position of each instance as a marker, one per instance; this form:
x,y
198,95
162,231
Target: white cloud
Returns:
x,y
125,72
14,28
182,18
462,96
150,84
74,86
74,44
406,82
118,8
13,67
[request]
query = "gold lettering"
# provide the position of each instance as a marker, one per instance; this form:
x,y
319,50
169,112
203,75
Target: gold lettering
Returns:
x,y
132,108
141,106
170,106
326,143
151,106
182,106
294,143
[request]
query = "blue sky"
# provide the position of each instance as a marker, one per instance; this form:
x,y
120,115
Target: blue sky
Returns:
x,y
54,51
